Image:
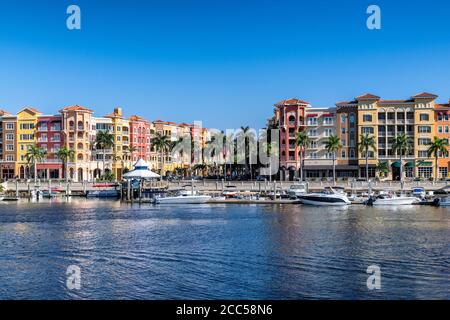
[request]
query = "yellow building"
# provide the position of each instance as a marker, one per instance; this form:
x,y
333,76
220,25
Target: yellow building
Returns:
x,y
25,138
121,132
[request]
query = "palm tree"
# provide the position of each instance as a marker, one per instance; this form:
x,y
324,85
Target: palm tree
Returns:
x,y
333,144
301,140
162,144
104,140
249,138
437,146
383,168
65,154
402,145
34,155
367,142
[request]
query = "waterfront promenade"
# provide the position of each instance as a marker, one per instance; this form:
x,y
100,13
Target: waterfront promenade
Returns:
x,y
21,188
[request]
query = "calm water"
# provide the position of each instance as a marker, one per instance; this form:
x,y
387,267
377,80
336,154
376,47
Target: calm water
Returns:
x,y
221,251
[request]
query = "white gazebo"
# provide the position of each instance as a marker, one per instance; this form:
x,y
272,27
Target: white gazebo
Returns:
x,y
141,171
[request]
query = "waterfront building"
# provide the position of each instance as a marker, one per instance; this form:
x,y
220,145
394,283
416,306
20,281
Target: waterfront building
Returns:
x,y
140,140
76,125
25,138
101,158
121,132
50,139
8,137
386,119
442,130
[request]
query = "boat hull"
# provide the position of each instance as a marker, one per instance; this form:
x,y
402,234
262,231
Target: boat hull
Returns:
x,y
324,201
395,202
183,200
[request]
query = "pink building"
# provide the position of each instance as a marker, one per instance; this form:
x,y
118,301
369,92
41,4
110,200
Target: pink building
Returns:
x,y
140,138
51,139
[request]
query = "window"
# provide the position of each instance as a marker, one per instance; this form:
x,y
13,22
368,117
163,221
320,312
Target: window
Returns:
x,y
424,129
352,153
439,129
367,130
424,117
424,141
9,147
344,142
343,154
343,119
367,118
343,130
9,157
312,121
10,137
328,132
313,155
9,126
423,154
425,172
443,172
312,132
328,120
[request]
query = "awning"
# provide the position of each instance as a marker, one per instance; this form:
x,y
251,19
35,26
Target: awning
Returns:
x,y
424,163
396,164
409,164
54,166
312,115
328,115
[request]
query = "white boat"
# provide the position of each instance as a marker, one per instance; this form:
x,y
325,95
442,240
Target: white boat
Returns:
x,y
444,202
185,197
392,200
230,192
328,198
419,192
297,190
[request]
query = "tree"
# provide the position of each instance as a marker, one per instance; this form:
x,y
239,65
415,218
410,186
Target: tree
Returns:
x,y
65,154
301,140
333,144
104,140
437,146
34,155
365,145
402,145
249,139
383,168
161,143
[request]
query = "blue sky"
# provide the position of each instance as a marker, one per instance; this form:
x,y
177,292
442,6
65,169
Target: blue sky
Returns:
x,y
223,62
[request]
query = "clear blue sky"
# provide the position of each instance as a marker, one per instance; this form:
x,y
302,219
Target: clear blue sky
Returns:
x,y
225,62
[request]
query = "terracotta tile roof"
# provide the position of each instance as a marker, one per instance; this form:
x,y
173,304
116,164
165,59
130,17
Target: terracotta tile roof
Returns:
x,y
76,108
368,96
291,102
137,118
425,95
33,110
342,103
4,113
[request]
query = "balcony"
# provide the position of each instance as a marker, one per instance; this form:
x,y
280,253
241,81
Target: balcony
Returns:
x,y
71,128
42,129
55,128
80,128
42,140
382,134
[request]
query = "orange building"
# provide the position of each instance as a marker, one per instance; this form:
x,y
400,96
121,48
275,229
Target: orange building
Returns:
x,y
442,130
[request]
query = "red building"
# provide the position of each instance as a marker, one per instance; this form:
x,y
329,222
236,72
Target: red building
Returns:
x,y
140,138
290,117
50,138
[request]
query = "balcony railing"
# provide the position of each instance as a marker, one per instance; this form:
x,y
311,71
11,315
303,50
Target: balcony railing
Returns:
x,y
42,129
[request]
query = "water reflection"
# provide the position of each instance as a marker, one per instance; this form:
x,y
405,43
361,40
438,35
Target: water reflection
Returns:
x,y
221,251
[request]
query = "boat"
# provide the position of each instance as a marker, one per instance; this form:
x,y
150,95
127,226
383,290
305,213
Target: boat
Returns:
x,y
391,200
184,197
230,192
443,202
419,192
329,197
296,190
51,193
103,194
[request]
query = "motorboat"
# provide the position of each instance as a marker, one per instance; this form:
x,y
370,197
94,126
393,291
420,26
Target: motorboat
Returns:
x,y
296,190
230,192
51,193
419,192
184,197
330,197
443,202
391,200
108,193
